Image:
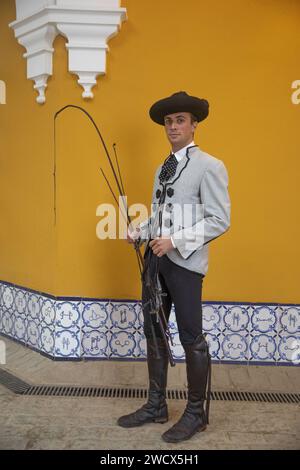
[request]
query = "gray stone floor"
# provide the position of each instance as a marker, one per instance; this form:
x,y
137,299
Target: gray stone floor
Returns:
x,y
90,423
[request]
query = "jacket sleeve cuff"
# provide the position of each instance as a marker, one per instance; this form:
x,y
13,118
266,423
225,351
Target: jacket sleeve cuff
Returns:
x,y
190,239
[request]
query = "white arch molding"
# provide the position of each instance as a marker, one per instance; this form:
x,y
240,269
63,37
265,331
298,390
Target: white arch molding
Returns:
x,y
87,24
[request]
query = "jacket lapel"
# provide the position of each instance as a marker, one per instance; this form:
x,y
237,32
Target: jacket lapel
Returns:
x,y
182,165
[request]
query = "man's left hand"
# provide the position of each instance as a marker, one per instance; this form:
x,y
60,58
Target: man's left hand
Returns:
x,y
161,246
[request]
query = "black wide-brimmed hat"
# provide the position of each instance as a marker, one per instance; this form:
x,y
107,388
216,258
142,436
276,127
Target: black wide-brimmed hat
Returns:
x,y
176,103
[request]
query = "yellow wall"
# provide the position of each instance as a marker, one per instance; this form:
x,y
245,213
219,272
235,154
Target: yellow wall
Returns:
x,y
242,55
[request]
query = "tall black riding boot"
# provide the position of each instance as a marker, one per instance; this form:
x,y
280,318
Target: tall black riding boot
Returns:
x,y
155,410
194,418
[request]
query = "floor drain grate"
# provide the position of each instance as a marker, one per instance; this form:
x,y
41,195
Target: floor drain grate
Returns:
x,y
20,387
13,383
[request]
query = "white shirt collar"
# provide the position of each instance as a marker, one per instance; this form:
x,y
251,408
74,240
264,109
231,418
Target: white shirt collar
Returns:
x,y
182,152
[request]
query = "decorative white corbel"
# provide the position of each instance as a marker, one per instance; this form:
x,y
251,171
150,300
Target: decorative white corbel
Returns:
x,y
87,36
38,44
87,24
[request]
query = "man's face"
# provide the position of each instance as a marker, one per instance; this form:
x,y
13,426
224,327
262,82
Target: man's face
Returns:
x,y
179,129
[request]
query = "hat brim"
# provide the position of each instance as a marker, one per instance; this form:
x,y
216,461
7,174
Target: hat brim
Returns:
x,y
179,103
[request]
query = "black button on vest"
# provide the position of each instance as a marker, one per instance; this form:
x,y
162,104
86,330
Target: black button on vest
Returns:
x,y
170,192
168,223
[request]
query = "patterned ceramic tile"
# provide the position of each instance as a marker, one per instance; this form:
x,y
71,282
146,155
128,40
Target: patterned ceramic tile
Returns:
x,y
47,325
67,343
7,322
211,318
67,314
1,295
124,316
214,342
263,346
235,319
34,302
289,349
47,341
289,319
95,343
8,297
66,328
96,315
48,312
33,333
234,346
20,323
123,344
263,319
20,301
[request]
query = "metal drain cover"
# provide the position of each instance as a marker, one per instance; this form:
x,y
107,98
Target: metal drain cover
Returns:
x,y
20,387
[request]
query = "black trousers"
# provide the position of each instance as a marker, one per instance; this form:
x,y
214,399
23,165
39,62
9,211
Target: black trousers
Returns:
x,y
183,288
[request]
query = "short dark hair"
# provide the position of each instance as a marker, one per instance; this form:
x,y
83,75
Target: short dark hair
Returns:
x,y
193,118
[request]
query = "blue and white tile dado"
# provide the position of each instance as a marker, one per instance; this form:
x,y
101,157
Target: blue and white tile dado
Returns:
x,y
78,328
